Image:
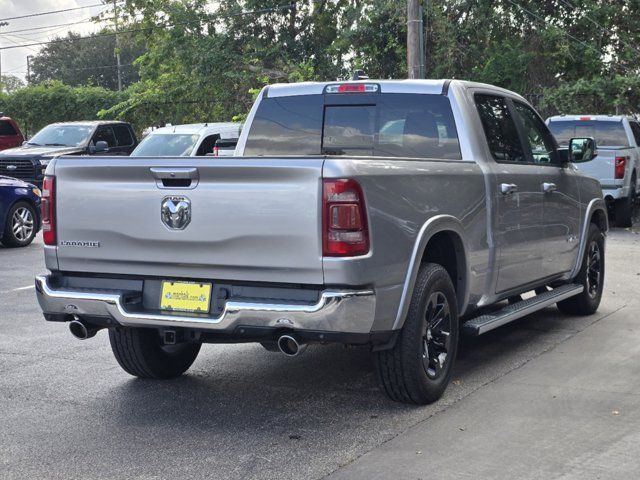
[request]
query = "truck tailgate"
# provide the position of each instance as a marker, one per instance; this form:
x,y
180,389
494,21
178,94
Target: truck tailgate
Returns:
x,y
602,167
252,219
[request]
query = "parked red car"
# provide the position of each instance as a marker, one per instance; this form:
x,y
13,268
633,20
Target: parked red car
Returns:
x,y
10,134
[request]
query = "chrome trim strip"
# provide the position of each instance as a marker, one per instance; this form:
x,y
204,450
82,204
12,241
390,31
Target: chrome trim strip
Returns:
x,y
350,311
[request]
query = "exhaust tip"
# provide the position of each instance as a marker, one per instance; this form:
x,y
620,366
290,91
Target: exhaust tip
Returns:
x,y
80,330
290,346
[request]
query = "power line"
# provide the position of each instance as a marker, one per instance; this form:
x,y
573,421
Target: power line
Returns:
x,y
144,29
55,27
51,12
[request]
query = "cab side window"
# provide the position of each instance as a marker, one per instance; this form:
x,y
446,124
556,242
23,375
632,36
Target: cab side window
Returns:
x,y
207,145
499,128
635,128
105,134
538,139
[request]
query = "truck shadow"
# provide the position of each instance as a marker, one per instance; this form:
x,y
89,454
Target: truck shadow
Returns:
x,y
243,387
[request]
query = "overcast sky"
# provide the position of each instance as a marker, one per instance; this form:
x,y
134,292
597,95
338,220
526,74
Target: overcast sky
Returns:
x,y
14,61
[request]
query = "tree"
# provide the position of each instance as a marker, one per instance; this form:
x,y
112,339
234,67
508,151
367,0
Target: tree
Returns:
x,y
10,83
76,61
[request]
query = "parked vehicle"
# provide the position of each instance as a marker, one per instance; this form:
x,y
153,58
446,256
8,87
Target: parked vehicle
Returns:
x,y
377,212
194,140
29,161
10,134
19,212
617,164
225,147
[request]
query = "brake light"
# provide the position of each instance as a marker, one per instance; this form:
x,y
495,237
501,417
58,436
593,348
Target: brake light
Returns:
x,y
621,163
352,88
216,151
48,209
585,119
344,221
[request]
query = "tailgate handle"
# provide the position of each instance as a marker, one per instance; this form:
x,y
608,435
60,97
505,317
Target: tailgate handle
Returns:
x,y
175,177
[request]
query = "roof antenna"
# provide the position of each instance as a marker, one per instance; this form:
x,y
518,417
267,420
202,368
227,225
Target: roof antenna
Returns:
x,y
359,75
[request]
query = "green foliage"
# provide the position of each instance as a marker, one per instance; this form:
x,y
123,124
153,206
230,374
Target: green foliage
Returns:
x,y
36,106
206,63
80,61
10,83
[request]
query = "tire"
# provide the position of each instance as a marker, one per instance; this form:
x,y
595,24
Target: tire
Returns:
x,y
140,352
623,208
591,276
413,371
21,225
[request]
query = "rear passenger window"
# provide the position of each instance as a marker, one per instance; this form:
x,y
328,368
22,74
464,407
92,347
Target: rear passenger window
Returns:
x,y
635,128
499,129
6,128
123,135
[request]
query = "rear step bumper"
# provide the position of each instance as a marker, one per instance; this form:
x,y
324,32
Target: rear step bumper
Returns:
x,y
344,311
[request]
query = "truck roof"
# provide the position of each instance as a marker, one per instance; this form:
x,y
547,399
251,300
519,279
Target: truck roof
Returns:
x,y
197,128
588,117
434,87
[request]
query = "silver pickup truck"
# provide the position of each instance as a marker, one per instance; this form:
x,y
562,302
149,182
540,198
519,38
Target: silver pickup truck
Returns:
x,y
617,164
394,214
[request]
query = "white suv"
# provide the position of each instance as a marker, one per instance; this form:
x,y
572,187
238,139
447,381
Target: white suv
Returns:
x,y
193,140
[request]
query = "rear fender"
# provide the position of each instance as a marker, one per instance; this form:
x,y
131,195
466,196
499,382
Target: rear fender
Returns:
x,y
437,224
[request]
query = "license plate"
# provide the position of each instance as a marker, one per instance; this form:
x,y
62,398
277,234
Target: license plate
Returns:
x,y
185,296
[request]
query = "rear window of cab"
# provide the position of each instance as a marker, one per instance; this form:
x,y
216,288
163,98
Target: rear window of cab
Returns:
x,y
381,125
606,133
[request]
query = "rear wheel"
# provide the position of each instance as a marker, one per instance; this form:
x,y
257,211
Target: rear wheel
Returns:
x,y
20,229
591,277
141,353
419,366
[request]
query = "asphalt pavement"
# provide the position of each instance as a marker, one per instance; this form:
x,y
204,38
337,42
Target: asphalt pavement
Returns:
x,y
549,396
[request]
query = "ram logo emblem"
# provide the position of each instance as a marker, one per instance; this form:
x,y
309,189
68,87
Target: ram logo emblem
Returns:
x,y
176,212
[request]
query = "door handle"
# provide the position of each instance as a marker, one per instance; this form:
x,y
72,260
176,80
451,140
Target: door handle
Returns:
x,y
508,188
549,187
174,173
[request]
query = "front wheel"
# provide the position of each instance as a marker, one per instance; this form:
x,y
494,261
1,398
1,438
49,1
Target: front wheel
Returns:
x,y
20,229
419,366
590,276
141,353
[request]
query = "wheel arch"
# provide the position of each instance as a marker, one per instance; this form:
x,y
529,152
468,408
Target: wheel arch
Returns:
x,y
440,240
596,212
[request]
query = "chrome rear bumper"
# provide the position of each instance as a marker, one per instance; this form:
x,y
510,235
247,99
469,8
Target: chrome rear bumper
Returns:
x,y
344,311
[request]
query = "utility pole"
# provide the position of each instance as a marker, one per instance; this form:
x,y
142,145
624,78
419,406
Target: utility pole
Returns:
x,y
115,19
415,40
2,24
29,69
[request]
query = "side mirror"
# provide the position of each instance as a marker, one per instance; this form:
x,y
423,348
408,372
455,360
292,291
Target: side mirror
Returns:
x,y
582,150
100,147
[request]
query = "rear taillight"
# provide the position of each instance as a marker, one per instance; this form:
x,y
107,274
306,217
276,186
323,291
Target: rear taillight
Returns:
x,y
48,208
620,166
216,151
344,219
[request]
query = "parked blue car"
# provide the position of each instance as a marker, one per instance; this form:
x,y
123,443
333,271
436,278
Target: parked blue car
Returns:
x,y
20,218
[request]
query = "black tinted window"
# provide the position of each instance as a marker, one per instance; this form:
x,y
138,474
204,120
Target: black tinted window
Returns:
x,y
6,128
499,128
539,140
105,134
286,126
123,135
386,125
606,133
